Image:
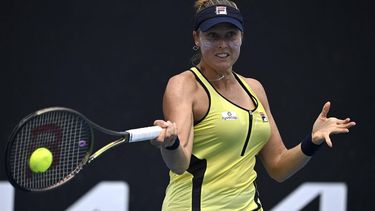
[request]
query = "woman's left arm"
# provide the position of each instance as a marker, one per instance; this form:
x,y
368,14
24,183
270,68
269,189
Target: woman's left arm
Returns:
x,y
280,162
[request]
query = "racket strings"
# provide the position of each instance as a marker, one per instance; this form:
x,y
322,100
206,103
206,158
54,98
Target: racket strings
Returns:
x,y
65,134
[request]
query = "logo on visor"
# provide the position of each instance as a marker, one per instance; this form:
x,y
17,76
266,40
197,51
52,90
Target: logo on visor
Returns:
x,y
221,10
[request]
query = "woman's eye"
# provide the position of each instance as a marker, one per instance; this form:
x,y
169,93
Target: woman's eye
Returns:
x,y
226,35
231,34
212,35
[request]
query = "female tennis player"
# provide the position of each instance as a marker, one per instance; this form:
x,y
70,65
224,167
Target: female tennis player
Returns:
x,y
218,121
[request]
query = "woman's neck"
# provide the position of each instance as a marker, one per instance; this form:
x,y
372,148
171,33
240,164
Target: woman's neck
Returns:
x,y
215,75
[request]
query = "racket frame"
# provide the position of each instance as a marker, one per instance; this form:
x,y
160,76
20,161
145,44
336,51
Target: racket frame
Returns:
x,y
134,135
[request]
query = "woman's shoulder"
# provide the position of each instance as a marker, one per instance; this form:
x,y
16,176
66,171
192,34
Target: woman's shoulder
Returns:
x,y
184,81
185,78
257,87
185,75
254,84
181,89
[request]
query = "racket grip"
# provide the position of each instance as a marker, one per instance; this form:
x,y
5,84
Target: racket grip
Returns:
x,y
144,134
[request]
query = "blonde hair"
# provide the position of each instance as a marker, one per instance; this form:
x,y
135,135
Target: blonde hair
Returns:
x,y
201,4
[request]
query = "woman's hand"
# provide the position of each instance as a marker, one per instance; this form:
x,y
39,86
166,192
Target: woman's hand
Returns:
x,y
325,126
167,136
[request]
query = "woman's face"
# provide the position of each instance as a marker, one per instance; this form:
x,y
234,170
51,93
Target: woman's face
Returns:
x,y
220,46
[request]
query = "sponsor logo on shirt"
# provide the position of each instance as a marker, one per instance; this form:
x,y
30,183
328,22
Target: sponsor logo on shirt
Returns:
x,y
263,116
229,115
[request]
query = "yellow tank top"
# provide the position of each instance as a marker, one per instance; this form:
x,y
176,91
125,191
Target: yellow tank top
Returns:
x,y
221,174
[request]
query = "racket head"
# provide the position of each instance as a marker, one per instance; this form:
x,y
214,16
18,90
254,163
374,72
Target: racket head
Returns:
x,y
65,132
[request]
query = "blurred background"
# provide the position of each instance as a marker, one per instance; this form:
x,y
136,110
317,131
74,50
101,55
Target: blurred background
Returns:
x,y
111,61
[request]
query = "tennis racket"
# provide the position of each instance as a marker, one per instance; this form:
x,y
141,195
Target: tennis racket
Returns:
x,y
69,136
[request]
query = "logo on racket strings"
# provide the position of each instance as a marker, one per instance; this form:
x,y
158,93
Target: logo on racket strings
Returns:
x,y
82,143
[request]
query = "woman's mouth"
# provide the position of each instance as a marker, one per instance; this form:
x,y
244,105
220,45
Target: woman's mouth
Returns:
x,y
222,55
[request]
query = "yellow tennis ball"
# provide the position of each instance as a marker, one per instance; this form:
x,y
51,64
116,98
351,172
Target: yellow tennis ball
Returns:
x,y
40,160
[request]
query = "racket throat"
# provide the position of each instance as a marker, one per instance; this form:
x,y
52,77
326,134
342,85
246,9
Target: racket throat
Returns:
x,y
106,147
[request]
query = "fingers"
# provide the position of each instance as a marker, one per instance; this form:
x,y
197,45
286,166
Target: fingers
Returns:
x,y
339,131
328,141
170,134
160,123
158,141
345,123
348,123
337,127
171,130
325,109
167,135
351,124
324,126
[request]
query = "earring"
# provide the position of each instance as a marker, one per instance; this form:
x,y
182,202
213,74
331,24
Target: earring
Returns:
x,y
195,48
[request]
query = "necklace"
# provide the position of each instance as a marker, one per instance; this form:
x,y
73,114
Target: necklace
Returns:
x,y
218,79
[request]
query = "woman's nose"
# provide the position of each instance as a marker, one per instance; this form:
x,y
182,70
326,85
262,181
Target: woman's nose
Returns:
x,y
222,43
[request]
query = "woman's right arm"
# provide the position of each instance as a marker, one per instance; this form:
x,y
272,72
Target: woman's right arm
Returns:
x,y
178,113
